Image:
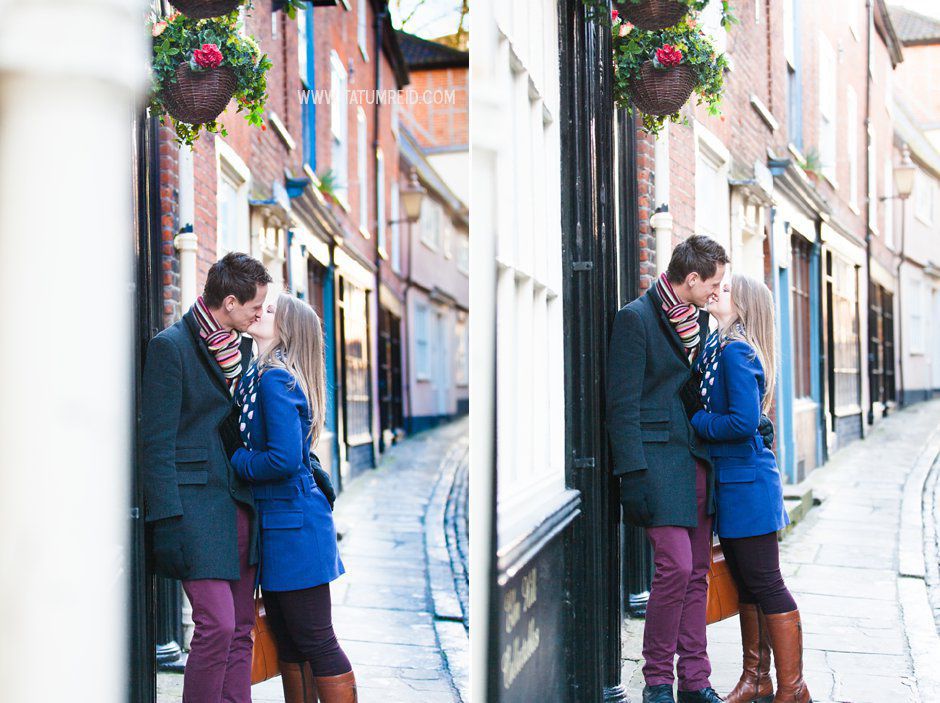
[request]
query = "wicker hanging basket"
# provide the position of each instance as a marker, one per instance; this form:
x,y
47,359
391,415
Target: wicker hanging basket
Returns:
x,y
198,97
203,9
652,14
662,91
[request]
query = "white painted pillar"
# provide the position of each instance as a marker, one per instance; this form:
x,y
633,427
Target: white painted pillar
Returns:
x,y
186,242
72,75
661,222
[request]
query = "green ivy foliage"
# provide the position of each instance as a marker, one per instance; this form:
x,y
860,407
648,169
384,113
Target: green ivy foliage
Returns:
x,y
176,39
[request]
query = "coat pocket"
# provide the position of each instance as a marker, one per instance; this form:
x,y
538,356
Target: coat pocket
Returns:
x,y
192,478
282,519
736,474
654,424
191,455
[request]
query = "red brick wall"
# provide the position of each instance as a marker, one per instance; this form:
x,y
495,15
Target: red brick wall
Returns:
x,y
169,225
436,122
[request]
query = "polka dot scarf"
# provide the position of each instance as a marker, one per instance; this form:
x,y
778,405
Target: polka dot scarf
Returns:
x,y
682,316
224,344
707,362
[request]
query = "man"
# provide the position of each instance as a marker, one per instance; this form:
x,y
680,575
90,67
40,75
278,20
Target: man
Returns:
x,y
666,477
204,529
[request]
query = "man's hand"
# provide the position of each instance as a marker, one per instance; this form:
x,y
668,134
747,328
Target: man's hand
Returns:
x,y
636,510
691,395
766,429
167,541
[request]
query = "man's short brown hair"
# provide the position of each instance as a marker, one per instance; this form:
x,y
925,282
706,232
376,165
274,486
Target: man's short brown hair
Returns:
x,y
234,274
697,254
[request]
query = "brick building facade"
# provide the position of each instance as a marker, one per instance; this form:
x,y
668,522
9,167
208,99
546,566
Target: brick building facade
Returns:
x,y
788,179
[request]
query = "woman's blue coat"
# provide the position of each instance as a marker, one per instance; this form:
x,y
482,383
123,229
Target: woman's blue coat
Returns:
x,y
748,489
298,537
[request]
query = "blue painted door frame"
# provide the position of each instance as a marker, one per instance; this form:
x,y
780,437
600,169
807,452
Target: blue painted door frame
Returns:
x,y
816,342
785,396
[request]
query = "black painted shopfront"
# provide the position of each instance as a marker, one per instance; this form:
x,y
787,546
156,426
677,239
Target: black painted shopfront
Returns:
x,y
557,595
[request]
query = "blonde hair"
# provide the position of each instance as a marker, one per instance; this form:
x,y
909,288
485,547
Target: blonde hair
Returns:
x,y
754,305
298,348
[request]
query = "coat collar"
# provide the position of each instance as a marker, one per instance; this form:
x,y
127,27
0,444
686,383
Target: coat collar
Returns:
x,y
678,347
212,366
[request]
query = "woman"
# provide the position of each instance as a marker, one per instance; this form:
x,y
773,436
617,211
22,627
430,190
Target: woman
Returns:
x,y
737,368
282,402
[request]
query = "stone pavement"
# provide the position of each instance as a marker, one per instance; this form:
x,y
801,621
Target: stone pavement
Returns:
x,y
383,608
842,564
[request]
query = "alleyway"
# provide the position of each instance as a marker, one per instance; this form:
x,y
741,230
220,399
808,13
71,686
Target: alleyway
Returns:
x,y
400,609
855,565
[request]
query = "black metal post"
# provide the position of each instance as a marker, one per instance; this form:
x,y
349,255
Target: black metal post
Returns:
x,y
149,311
591,294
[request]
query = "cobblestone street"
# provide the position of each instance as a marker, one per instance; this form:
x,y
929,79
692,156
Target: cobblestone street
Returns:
x,y
856,566
399,611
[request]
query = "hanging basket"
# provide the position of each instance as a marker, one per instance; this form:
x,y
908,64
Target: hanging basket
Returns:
x,y
198,97
652,14
203,9
662,91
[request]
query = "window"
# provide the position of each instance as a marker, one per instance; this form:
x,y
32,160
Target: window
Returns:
x,y
448,232
357,382
843,290
231,203
461,331
791,50
339,126
851,143
917,317
422,342
827,109
887,189
380,218
802,317
362,17
395,207
712,213
710,21
872,180
463,253
431,224
362,165
923,197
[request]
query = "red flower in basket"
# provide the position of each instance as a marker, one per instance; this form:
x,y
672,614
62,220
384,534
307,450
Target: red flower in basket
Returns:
x,y
667,55
614,15
208,56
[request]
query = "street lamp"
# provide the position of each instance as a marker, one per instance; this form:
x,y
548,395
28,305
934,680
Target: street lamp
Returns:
x,y
412,196
904,174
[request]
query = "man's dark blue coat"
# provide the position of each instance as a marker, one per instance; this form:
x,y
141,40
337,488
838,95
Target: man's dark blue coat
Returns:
x,y
185,469
653,446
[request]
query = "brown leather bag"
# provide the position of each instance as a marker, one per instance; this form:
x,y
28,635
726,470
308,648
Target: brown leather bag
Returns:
x,y
264,659
722,599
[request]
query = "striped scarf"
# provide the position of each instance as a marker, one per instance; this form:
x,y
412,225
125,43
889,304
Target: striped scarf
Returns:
x,y
224,344
682,316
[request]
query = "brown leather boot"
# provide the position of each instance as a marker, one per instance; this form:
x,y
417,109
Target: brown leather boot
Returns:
x,y
298,682
755,685
786,640
337,689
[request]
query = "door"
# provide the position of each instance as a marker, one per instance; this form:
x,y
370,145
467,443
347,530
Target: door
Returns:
x,y
356,394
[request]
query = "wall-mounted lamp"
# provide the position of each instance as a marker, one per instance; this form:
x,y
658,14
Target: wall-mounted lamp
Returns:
x,y
412,196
